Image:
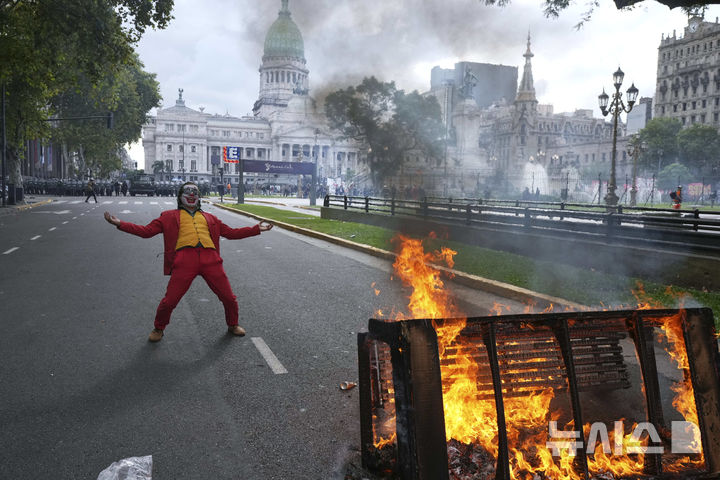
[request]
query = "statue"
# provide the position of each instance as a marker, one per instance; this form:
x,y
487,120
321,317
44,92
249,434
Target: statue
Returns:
x,y
469,82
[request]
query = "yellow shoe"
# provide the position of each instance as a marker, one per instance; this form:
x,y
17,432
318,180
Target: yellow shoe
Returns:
x,y
237,330
156,335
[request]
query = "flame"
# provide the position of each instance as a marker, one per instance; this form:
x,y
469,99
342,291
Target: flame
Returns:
x,y
414,267
684,400
470,412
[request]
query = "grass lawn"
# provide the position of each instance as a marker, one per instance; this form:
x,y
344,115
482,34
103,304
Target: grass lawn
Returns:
x,y
591,288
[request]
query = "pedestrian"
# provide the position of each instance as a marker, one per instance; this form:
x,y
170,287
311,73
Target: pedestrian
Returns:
x,y
90,190
124,188
116,188
677,197
192,247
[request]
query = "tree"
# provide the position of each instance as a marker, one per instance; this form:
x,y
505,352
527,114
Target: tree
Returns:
x,y
390,122
158,166
129,93
673,175
47,47
660,143
553,8
699,146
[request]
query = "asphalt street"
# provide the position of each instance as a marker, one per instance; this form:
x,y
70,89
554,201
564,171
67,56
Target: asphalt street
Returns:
x,y
82,387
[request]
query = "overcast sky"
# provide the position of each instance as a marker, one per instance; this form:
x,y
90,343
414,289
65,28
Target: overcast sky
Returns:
x,y
213,49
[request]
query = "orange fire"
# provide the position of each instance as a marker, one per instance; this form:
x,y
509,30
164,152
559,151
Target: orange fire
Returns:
x,y
470,413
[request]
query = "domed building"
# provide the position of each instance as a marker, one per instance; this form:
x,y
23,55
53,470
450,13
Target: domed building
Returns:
x,y
187,144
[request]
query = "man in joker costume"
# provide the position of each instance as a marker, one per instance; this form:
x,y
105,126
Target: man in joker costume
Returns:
x,y
192,248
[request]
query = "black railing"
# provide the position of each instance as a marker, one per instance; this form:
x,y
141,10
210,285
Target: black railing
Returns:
x,y
682,229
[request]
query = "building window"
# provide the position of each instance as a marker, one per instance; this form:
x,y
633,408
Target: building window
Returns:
x,y
682,119
192,149
715,116
226,133
169,127
684,106
702,118
168,165
181,148
692,118
193,166
169,148
694,105
704,103
662,110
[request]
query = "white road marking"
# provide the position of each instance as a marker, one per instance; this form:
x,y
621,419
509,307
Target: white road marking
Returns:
x,y
10,251
76,201
153,203
65,222
123,202
53,228
74,218
59,201
168,203
61,212
269,356
126,211
138,203
36,237
107,202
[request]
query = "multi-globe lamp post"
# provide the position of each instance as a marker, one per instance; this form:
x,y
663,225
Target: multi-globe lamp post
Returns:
x,y
616,107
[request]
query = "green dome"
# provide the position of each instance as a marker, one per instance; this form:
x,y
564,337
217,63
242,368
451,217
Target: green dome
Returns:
x,y
284,38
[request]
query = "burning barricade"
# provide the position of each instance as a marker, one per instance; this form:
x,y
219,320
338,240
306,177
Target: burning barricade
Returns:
x,y
443,396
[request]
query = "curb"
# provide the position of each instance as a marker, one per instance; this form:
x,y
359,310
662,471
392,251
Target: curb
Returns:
x,y
19,208
480,283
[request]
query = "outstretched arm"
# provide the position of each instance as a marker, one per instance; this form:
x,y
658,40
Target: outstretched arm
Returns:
x,y
112,219
146,231
243,232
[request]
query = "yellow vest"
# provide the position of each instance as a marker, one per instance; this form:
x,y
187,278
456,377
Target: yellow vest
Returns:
x,y
193,231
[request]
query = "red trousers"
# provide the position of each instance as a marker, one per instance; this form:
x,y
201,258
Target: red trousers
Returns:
x,y
188,264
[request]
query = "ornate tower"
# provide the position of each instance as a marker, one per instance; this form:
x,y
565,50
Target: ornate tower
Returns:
x,y
524,116
283,71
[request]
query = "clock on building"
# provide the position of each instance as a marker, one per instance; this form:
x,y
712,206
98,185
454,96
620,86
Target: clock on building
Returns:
x,y
693,24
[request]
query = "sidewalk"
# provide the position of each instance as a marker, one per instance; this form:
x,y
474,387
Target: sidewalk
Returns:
x,y
29,201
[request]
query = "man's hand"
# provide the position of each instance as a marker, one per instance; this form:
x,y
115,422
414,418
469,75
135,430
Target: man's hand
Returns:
x,y
112,219
265,226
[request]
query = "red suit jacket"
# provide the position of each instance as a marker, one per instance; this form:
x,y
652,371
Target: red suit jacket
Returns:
x,y
169,224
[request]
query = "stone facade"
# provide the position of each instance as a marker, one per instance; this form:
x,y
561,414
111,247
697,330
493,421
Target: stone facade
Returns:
x,y
285,125
491,148
688,75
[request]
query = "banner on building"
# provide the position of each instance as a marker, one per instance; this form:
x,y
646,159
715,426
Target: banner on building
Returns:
x,y
232,155
295,168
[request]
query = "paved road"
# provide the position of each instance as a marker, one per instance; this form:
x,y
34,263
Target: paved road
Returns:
x,y
82,387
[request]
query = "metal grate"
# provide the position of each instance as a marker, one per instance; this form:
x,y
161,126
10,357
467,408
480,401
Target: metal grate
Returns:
x,y
521,354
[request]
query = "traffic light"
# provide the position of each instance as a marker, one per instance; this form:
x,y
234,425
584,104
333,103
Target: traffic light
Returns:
x,y
110,120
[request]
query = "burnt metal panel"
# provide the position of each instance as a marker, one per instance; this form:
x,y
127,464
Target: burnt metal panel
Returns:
x,y
704,363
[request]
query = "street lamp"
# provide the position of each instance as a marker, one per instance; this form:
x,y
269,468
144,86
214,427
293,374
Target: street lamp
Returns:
x,y
616,107
313,186
637,147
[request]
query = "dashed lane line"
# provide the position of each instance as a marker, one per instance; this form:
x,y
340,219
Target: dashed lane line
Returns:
x,y
53,228
10,251
269,356
36,237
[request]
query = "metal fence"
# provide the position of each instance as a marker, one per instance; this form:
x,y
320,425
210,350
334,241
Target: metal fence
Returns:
x,y
688,229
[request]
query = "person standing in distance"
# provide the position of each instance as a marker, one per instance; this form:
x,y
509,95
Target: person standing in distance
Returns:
x,y
192,247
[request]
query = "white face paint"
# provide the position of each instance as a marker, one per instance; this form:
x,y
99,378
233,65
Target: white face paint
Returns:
x,y
190,197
